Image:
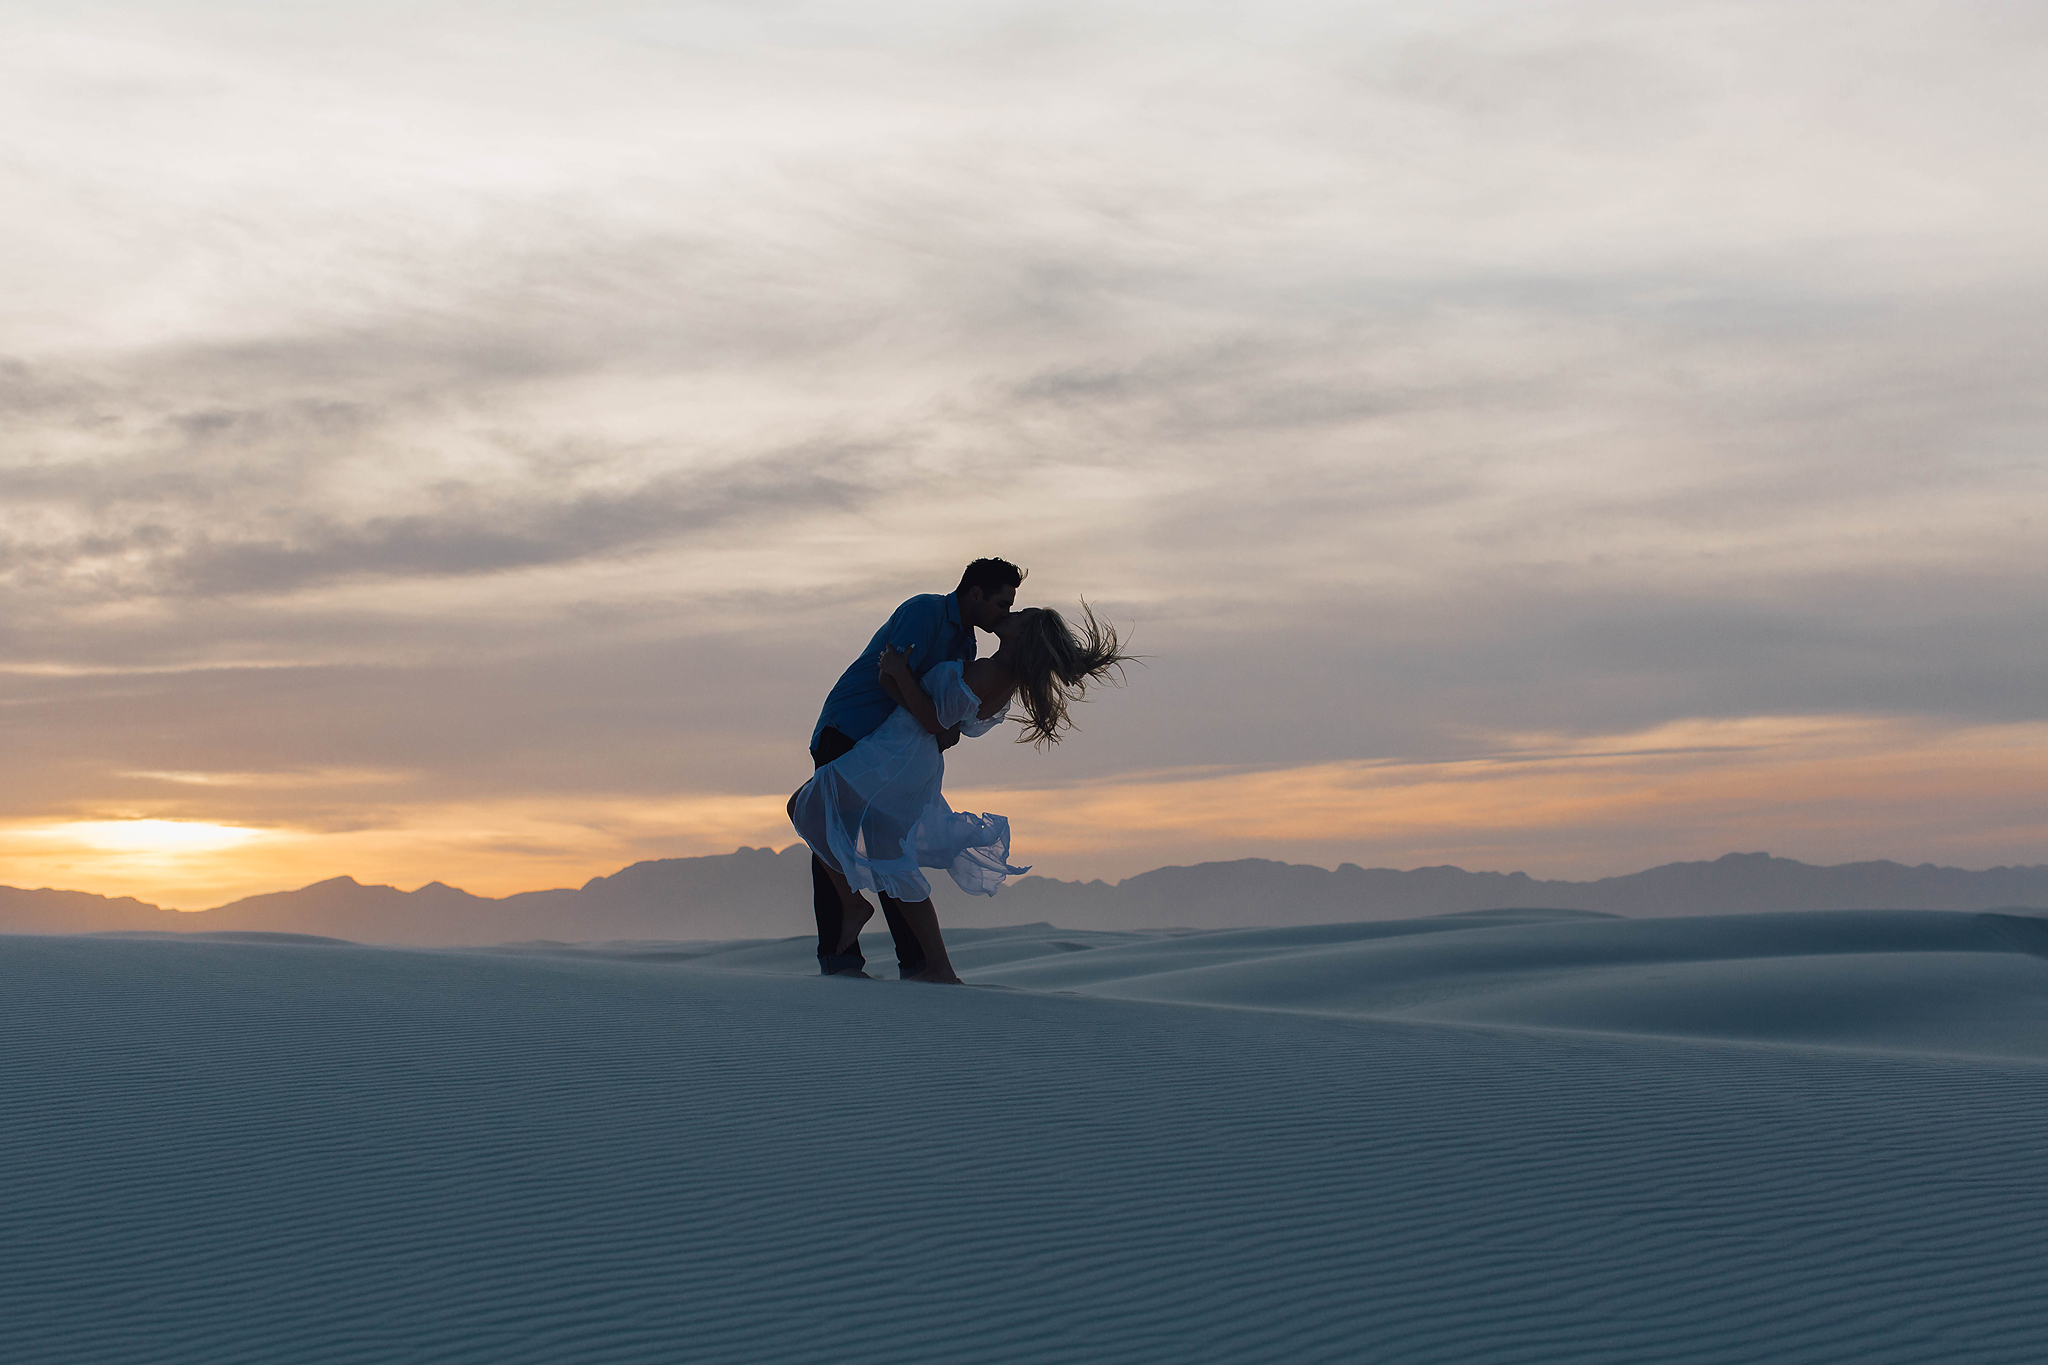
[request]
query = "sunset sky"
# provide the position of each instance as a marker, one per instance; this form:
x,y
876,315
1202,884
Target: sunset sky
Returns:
x,y
466,441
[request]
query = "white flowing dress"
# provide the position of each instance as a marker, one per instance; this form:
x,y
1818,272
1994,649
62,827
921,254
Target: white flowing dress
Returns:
x,y
878,815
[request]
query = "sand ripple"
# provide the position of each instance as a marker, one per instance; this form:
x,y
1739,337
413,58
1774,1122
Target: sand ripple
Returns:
x,y
262,1151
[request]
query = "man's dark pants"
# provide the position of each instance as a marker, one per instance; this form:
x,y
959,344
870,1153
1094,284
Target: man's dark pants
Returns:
x,y
825,897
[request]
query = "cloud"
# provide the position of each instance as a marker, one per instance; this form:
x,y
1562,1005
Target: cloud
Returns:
x,y
1820,789
560,422
472,534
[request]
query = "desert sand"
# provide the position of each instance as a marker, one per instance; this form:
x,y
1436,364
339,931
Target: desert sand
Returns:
x,y
1515,1136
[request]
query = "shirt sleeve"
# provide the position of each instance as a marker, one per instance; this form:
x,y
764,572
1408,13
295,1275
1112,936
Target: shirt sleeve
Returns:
x,y
916,629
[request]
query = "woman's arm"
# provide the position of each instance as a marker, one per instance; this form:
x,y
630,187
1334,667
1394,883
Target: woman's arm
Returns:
x,y
992,683
902,685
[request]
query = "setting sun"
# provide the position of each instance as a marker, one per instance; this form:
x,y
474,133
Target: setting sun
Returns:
x,y
149,837
142,857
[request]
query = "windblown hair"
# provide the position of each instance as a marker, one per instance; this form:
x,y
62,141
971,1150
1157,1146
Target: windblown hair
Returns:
x,y
1054,665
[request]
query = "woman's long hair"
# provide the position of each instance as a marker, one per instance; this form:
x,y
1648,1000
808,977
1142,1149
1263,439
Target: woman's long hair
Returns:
x,y
1054,665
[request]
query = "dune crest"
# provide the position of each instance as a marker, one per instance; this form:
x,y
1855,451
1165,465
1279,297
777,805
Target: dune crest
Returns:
x,y
1912,981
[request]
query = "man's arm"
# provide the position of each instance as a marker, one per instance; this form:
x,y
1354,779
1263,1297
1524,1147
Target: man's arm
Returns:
x,y
905,690
916,630
948,737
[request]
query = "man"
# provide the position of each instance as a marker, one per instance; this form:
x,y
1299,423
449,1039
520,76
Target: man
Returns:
x,y
930,629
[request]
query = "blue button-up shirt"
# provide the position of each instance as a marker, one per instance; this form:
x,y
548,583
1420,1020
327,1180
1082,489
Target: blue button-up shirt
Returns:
x,y
930,623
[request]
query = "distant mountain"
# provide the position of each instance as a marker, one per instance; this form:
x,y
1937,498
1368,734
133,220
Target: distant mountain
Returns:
x,y
75,912
759,893
1256,891
753,893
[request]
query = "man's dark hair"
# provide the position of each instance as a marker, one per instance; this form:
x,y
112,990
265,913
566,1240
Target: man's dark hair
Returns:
x,y
990,576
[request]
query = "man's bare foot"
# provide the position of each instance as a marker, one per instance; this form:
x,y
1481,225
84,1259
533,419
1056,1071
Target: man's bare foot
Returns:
x,y
937,976
852,918
854,971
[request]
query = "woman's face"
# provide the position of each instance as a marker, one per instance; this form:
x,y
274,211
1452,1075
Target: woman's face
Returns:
x,y
1011,627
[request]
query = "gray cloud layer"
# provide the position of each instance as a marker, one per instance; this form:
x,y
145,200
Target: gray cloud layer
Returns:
x,y
562,404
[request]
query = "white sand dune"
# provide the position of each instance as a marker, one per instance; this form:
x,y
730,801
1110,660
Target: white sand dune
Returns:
x,y
1929,981
1504,1137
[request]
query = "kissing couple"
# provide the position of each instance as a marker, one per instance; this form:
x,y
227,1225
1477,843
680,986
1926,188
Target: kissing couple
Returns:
x,y
874,813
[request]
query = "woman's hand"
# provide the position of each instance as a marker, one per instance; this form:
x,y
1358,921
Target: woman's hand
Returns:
x,y
896,664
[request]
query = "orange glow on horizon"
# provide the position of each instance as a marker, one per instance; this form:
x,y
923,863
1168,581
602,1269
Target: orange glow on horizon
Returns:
x,y
1832,789
493,849
1828,789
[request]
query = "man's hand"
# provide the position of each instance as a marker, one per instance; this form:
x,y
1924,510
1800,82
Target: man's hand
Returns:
x,y
948,738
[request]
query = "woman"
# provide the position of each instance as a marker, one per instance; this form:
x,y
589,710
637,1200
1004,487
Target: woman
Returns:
x,y
876,815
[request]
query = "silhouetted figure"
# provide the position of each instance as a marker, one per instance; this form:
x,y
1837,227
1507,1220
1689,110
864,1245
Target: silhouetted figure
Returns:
x,y
875,814
930,630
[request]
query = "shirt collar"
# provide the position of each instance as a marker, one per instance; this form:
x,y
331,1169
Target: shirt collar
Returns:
x,y
953,607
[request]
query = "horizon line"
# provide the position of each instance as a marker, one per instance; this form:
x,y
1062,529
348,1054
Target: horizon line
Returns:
x,y
772,851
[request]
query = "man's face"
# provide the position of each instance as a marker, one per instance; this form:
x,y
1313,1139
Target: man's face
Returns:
x,y
983,612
